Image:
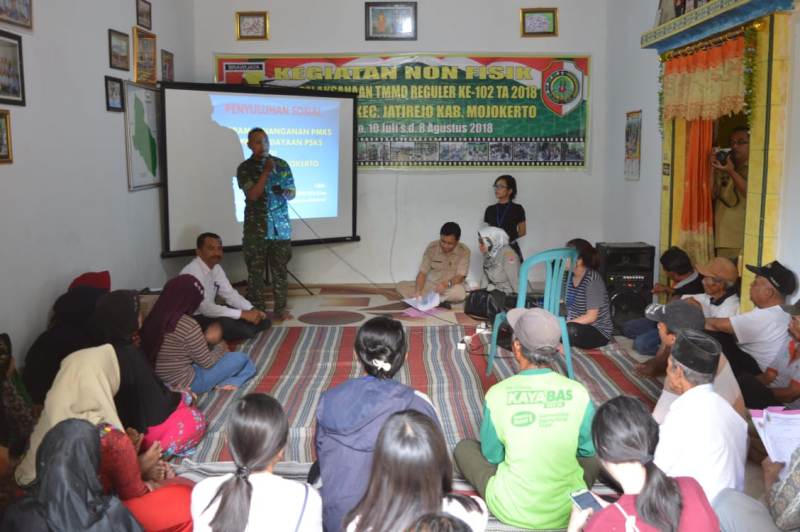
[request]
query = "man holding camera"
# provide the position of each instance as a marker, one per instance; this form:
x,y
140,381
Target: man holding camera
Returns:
x,y
268,186
729,190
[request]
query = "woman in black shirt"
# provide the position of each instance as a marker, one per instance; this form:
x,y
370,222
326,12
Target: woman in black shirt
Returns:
x,y
506,214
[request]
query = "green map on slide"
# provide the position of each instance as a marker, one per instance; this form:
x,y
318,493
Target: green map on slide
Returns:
x,y
143,140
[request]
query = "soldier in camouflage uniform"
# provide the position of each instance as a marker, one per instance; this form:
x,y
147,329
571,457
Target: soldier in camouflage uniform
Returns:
x,y
268,185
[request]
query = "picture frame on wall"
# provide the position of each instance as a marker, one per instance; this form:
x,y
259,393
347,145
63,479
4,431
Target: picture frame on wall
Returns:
x,y
167,66
119,50
538,22
6,153
141,103
390,21
12,89
144,56
633,145
144,14
114,94
252,25
19,13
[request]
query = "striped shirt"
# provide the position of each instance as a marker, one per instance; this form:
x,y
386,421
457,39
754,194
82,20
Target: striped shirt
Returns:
x,y
590,293
184,346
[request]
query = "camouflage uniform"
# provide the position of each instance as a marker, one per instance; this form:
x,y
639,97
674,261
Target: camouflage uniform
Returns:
x,y
267,232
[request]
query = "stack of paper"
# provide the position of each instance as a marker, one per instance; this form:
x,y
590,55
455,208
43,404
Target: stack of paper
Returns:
x,y
779,429
427,302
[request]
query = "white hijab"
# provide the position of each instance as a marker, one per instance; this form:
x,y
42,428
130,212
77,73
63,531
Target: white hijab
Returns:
x,y
494,239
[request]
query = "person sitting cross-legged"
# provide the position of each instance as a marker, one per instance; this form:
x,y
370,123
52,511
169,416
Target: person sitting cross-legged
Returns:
x,y
702,436
239,319
536,444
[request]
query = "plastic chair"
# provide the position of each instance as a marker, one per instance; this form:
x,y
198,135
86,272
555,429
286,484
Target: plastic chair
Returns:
x,y
555,262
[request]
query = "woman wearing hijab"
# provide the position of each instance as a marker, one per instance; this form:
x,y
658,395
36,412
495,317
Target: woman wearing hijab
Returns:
x,y
68,332
84,388
499,278
67,494
142,401
175,343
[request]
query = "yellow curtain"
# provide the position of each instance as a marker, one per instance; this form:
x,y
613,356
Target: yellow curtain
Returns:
x,y
706,84
697,218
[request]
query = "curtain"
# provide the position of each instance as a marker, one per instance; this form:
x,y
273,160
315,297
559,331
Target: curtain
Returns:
x,y
697,218
706,84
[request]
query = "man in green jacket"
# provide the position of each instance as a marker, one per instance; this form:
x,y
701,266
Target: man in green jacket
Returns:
x,y
536,443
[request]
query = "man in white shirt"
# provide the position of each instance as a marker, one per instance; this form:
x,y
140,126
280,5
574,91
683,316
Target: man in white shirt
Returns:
x,y
719,298
752,340
674,317
702,436
239,320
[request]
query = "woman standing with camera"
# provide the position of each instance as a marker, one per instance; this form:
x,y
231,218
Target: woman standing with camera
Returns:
x,y
730,194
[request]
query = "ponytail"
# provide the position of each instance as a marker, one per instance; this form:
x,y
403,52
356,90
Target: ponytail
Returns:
x,y
659,503
235,496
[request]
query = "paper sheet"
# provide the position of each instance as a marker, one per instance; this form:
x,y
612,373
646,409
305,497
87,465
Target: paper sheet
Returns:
x,y
427,302
780,432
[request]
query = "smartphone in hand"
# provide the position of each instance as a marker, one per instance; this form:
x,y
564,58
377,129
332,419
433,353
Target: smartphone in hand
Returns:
x,y
584,500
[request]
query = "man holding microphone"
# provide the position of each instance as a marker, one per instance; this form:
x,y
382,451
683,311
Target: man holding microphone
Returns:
x,y
268,185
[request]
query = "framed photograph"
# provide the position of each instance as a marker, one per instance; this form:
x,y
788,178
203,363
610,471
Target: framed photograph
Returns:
x,y
144,56
114,94
538,22
167,66
142,135
144,14
390,21
6,155
633,145
119,50
252,25
12,79
19,12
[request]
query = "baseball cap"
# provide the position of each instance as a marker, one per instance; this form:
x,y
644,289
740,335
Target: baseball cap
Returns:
x,y
677,315
720,268
697,351
793,310
534,328
781,277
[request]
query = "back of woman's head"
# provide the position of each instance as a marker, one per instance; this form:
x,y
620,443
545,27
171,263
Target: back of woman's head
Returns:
x,y
116,317
586,252
439,522
381,346
411,472
257,431
624,431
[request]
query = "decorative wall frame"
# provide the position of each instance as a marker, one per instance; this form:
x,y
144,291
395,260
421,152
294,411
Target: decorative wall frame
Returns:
x,y
119,50
538,22
167,66
6,154
390,21
114,94
144,14
21,15
252,25
12,90
144,56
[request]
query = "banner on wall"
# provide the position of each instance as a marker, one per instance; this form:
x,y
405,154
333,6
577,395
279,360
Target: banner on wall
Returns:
x,y
445,110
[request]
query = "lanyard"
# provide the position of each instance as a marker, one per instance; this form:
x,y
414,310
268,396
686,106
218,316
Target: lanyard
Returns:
x,y
497,216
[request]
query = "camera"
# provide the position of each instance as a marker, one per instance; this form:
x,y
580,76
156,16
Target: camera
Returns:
x,y
722,155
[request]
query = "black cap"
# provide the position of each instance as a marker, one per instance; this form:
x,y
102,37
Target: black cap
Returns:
x,y
697,351
792,310
677,315
781,277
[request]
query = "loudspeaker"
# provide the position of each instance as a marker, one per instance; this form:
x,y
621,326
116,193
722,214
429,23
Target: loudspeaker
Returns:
x,y
627,269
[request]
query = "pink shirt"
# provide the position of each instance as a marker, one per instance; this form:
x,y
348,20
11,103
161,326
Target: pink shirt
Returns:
x,y
697,514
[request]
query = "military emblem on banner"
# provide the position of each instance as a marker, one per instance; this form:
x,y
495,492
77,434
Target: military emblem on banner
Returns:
x,y
562,87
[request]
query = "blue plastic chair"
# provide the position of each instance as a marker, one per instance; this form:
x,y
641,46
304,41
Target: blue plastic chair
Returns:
x,y
555,263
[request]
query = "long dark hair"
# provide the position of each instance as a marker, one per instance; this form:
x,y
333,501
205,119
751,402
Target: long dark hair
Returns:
x,y
257,432
411,472
624,431
381,341
586,252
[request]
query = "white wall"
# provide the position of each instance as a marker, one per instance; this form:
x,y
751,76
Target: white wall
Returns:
x,y
559,204
789,230
65,206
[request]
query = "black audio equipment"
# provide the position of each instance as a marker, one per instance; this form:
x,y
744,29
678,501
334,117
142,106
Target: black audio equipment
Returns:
x,y
627,269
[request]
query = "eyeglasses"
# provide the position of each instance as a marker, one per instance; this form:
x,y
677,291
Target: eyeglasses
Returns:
x,y
740,143
498,187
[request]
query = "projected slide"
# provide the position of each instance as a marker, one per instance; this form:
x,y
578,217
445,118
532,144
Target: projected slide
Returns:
x,y
206,139
303,133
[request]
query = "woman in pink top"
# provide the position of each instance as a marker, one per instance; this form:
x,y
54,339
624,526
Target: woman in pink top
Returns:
x,y
625,437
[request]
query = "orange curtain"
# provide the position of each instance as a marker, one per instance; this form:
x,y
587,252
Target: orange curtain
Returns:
x,y
697,219
707,84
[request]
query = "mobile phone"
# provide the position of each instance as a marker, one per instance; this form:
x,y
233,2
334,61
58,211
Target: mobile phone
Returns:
x,y
584,500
